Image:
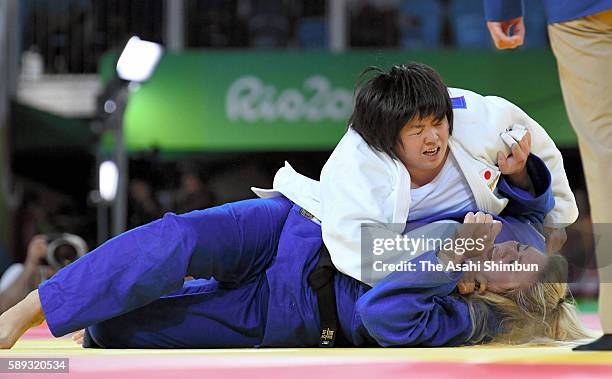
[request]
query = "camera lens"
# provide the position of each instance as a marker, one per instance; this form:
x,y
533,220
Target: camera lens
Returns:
x,y
64,249
65,254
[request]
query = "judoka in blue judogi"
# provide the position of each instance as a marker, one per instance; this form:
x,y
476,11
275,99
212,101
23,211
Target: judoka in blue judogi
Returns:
x,y
252,260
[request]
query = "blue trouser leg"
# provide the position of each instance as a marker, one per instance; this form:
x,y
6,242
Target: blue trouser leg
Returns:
x,y
198,316
232,243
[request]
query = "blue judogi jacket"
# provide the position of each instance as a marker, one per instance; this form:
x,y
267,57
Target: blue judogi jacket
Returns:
x,y
257,255
556,10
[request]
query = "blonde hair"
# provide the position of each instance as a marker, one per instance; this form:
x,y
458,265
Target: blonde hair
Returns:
x,y
536,314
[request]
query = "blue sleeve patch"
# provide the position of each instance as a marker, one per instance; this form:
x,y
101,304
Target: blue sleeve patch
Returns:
x,y
458,102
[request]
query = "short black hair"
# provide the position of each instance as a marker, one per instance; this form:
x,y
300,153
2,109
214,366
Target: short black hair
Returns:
x,y
389,99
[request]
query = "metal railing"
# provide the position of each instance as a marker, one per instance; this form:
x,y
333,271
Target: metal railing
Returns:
x,y
69,36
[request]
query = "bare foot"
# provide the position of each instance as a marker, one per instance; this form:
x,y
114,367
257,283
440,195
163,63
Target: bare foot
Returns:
x,y
17,320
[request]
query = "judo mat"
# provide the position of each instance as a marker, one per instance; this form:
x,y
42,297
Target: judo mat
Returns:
x,y
474,362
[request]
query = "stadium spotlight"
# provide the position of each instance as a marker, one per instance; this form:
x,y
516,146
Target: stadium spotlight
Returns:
x,y
108,179
138,60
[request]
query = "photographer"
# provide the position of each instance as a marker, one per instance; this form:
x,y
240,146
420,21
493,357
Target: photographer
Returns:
x,y
19,279
46,255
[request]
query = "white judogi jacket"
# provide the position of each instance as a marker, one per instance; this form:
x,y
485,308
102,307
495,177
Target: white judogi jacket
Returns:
x,y
360,185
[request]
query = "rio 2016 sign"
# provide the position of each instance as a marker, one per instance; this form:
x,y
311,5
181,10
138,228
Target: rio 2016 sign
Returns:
x,y
284,101
250,99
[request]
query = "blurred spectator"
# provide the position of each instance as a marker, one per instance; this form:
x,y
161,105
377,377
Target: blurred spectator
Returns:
x,y
142,204
269,23
214,23
64,32
148,175
421,24
374,23
72,35
193,194
234,182
43,210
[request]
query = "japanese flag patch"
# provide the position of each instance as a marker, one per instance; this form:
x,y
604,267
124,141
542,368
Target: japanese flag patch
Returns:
x,y
490,176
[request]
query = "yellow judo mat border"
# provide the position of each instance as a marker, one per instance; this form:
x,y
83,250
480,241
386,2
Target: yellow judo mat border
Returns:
x,y
559,355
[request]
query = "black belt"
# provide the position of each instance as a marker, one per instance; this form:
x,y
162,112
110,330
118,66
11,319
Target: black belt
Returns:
x,y
321,279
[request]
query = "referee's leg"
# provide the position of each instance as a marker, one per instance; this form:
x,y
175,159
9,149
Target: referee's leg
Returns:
x,y
583,48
